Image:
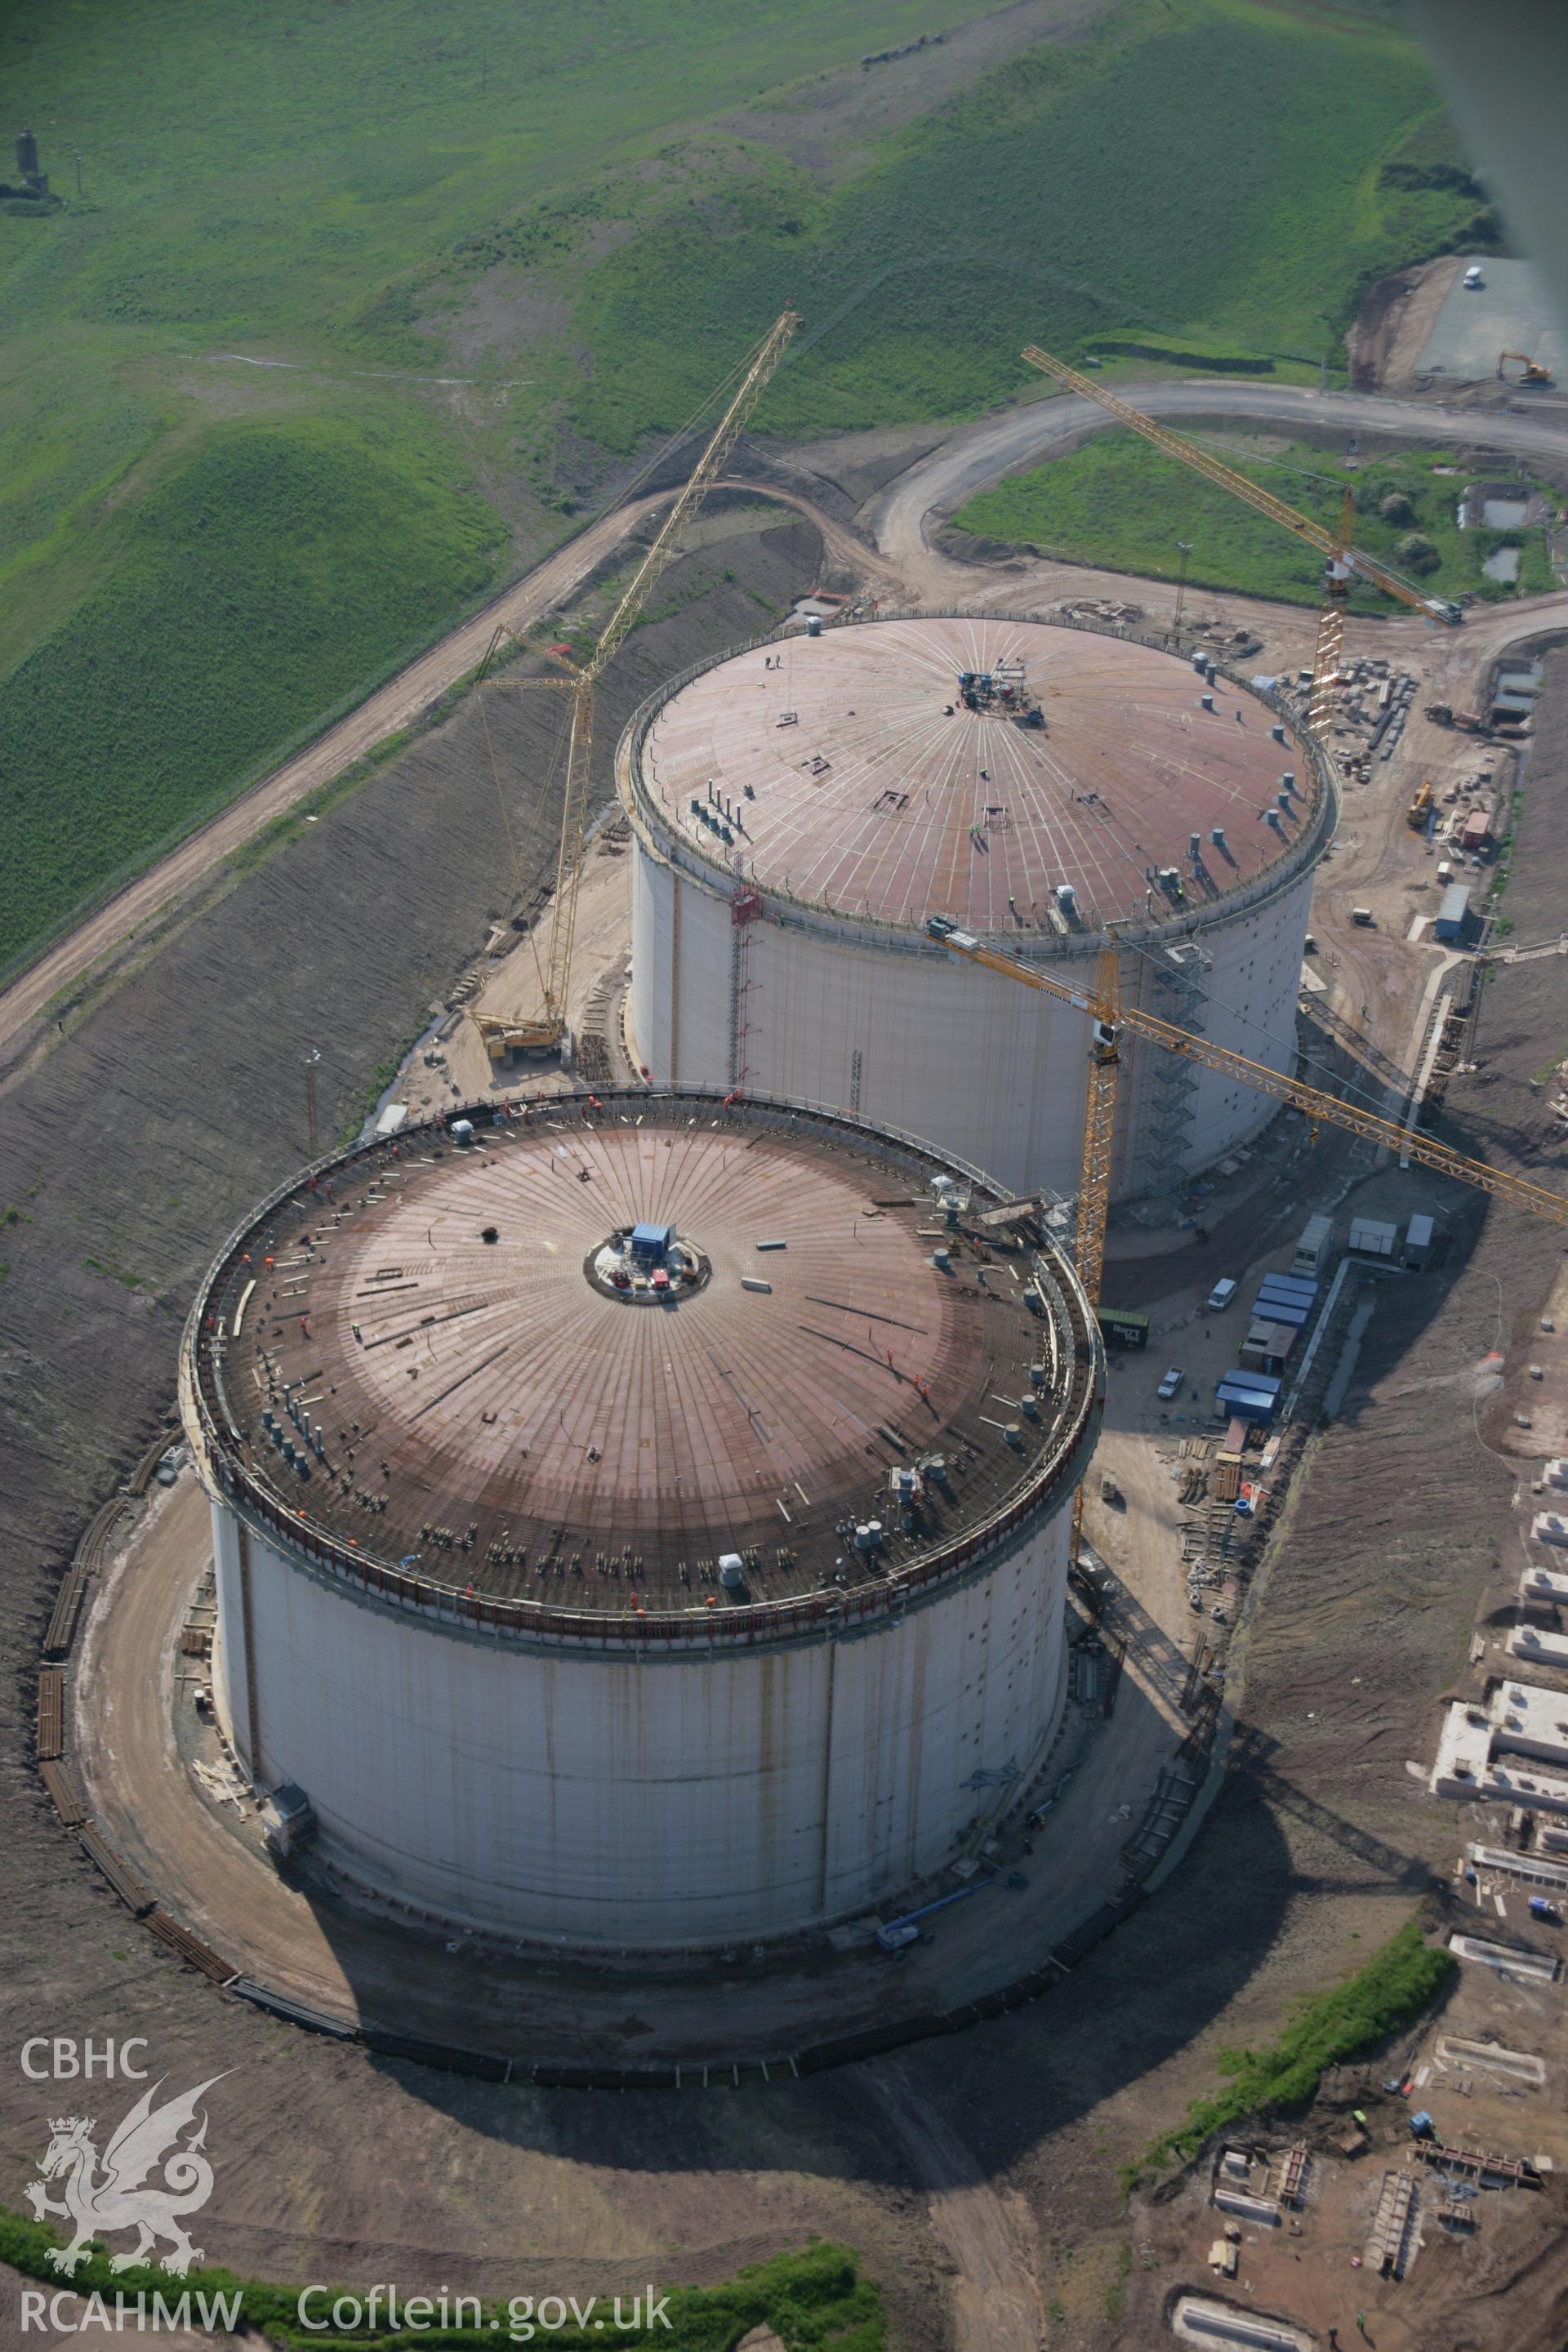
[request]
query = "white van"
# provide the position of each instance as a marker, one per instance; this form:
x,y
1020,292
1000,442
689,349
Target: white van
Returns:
x,y
1221,1296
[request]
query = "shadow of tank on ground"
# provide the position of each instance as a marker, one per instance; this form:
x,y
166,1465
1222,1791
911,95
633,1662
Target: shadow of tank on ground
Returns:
x,y
332,1951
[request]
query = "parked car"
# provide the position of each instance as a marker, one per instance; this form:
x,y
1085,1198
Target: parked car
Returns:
x,y
1221,1296
1171,1385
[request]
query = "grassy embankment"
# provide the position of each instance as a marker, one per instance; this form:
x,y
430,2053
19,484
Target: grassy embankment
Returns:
x,y
275,187
251,588
1402,1979
1119,503
1208,172
585,224
811,2298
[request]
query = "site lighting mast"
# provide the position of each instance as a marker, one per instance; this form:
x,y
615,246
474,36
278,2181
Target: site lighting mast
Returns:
x,y
1185,545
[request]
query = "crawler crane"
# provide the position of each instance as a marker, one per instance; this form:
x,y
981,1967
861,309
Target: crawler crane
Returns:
x,y
548,1033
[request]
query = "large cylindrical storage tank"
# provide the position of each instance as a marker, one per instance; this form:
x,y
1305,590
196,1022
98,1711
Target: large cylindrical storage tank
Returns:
x,y
637,1526
803,808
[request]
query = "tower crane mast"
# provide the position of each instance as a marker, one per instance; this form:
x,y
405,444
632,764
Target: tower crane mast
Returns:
x,y
1111,1022
1345,561
580,681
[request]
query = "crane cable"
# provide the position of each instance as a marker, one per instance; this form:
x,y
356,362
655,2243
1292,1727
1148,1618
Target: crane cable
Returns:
x,y
665,449
517,873
1336,1083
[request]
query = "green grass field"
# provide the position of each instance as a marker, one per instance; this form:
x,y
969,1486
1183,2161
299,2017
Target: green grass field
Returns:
x,y
484,253
813,2297
1400,1980
1119,503
1207,170
251,596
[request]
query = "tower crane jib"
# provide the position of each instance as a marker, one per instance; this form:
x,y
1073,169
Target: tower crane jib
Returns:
x,y
1112,1023
1343,560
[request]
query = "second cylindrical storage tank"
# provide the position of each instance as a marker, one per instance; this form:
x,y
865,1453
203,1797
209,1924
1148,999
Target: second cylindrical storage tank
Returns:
x,y
801,809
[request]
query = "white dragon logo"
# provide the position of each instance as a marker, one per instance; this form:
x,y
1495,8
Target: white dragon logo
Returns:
x,y
96,2203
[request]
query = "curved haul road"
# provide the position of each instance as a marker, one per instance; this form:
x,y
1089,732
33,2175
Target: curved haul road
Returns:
x,y
896,521
975,454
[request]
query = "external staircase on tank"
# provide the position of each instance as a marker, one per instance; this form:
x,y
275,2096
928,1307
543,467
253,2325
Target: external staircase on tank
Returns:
x,y
1179,994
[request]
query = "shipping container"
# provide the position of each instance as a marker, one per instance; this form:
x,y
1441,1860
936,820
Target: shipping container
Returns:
x,y
1317,1240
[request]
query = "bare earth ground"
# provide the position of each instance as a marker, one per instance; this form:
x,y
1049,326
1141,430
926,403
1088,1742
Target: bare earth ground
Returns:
x,y
976,2175
1396,320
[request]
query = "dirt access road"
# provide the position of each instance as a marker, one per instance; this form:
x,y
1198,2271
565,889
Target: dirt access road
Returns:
x,y
988,2232
976,454
395,705
899,558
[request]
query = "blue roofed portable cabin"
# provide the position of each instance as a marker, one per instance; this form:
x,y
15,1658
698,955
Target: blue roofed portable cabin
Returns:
x,y
1246,1395
1269,1308
1289,1285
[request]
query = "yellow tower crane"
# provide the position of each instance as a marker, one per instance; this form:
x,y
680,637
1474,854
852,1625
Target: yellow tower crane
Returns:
x,y
548,1032
1111,1022
1103,1007
1345,561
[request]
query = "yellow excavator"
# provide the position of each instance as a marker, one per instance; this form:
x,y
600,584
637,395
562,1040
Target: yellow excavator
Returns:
x,y
1415,815
548,1033
1532,369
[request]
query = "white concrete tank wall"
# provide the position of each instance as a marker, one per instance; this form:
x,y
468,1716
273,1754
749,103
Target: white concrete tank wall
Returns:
x,y
639,1800
914,1038
799,815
